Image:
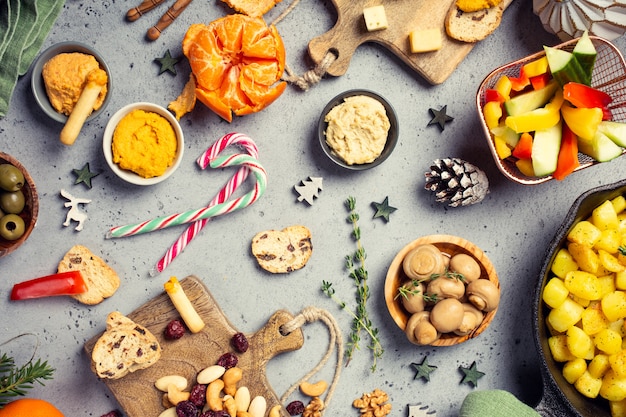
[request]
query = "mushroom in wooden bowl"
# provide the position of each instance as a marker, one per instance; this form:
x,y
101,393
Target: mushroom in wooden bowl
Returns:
x,y
442,290
19,204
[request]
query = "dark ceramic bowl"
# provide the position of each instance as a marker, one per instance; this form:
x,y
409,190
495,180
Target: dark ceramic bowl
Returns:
x,y
561,398
30,212
392,136
39,89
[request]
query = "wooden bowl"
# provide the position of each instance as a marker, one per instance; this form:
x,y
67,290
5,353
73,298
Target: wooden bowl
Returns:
x,y
31,210
450,246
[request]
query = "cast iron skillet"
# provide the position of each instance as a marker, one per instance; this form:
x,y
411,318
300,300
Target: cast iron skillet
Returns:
x,y
559,397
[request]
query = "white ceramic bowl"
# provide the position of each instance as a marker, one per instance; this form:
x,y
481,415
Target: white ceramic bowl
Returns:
x,y
107,141
39,89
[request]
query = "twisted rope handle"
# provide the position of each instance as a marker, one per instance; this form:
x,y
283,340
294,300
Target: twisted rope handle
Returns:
x,y
310,315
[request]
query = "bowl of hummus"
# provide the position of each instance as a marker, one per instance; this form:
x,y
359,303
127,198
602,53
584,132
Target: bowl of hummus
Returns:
x,y
358,129
143,143
60,75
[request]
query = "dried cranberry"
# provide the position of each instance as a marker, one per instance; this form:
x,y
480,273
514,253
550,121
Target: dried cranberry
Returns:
x,y
240,342
186,409
114,413
295,408
175,330
228,360
222,413
198,395
208,413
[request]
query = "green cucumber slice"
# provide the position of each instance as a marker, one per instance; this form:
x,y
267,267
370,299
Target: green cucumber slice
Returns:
x,y
564,66
601,148
545,151
530,100
616,131
585,53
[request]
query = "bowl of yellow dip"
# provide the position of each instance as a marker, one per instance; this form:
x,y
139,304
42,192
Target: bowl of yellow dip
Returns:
x,y
143,143
358,129
59,76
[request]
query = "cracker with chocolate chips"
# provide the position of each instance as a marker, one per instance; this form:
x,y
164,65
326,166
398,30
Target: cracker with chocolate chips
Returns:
x,y
283,251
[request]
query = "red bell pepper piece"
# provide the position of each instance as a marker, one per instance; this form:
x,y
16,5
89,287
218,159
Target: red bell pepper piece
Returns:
x,y
493,95
63,283
581,95
540,81
521,82
567,161
524,147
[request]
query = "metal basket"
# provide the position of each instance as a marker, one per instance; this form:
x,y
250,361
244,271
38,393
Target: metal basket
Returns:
x,y
609,75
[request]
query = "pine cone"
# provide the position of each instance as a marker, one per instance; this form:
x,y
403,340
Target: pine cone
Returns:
x,y
456,182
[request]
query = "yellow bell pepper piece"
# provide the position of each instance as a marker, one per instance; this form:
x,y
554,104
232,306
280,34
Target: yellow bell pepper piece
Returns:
x,y
525,166
493,112
583,122
536,67
502,149
503,86
538,119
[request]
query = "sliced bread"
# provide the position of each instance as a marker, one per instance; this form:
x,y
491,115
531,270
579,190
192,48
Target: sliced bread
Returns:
x,y
473,26
102,281
283,251
253,8
124,347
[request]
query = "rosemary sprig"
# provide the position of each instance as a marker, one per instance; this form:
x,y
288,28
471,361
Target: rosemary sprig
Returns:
x,y
355,264
15,381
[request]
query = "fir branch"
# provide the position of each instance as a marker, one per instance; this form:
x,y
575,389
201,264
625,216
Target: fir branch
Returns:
x,y
15,381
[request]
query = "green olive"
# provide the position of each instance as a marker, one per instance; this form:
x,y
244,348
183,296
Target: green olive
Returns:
x,y
12,227
11,178
13,202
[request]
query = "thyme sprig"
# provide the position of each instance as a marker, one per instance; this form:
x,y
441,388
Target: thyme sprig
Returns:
x,y
15,381
406,290
355,264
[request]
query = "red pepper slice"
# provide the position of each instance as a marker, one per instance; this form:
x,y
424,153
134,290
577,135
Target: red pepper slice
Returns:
x,y
581,95
521,82
63,283
567,161
524,147
493,95
540,81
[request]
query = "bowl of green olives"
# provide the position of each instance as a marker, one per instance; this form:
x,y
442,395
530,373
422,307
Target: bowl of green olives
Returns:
x,y
19,204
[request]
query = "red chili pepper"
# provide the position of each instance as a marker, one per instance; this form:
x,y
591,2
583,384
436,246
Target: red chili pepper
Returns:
x,y
524,147
63,283
581,95
568,154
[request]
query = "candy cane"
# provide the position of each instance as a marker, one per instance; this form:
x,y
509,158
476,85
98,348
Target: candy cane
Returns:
x,y
233,183
205,212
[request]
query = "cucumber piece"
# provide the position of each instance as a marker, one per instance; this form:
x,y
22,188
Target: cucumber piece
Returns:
x,y
530,100
585,53
600,148
564,66
545,152
507,134
616,131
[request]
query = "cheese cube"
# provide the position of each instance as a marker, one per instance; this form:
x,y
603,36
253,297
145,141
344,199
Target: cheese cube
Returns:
x,y
375,18
425,40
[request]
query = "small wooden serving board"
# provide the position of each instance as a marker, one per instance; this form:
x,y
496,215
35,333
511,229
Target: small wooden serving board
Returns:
x,y
193,352
403,17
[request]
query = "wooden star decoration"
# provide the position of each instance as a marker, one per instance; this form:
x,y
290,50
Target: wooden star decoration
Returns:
x,y
84,175
471,374
423,369
440,117
168,63
383,209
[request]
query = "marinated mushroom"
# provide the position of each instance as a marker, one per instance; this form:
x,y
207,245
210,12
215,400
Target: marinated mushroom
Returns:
x,y
484,294
466,265
420,330
472,317
413,297
447,315
423,261
446,287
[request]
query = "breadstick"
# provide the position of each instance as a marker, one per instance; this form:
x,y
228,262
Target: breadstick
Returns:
x,y
96,80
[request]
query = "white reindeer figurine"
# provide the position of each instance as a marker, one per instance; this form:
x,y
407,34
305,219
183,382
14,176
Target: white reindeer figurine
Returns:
x,y
74,212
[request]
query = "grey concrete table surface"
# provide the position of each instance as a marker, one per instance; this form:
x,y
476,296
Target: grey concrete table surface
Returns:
x,y
513,225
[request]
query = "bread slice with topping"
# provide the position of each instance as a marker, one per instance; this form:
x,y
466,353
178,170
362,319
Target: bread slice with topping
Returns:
x,y
124,347
102,281
283,251
473,26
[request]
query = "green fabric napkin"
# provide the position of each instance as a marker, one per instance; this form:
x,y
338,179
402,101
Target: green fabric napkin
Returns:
x,y
24,25
494,403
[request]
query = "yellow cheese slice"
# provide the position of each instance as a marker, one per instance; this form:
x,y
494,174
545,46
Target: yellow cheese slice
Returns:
x,y
375,18
425,40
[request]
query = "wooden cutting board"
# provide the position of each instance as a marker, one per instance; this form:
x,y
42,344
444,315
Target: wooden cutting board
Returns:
x,y
193,352
403,16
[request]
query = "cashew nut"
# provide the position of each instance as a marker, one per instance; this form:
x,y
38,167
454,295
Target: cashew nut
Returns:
x,y
164,382
258,405
210,374
231,377
242,398
313,390
174,395
274,411
213,391
230,406
169,412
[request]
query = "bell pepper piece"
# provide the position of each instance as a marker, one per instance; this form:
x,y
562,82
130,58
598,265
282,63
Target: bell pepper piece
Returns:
x,y
503,86
524,147
568,154
502,149
537,67
581,95
521,82
540,81
492,94
63,283
525,166
583,122
493,112
538,119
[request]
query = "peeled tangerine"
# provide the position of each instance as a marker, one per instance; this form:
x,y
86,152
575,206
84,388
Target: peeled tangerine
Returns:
x,y
237,61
